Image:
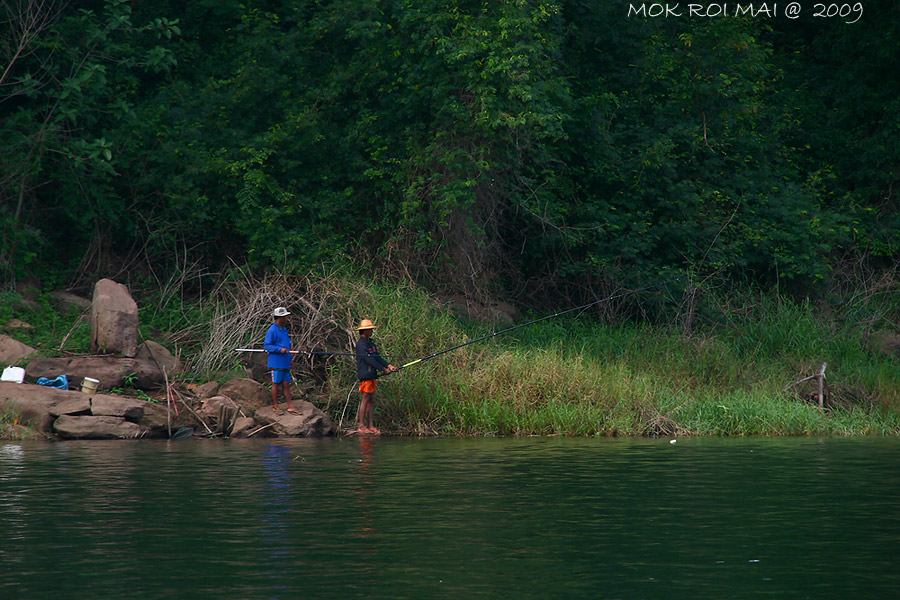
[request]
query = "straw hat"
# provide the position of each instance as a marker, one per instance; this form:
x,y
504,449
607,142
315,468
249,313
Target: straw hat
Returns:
x,y
365,324
280,312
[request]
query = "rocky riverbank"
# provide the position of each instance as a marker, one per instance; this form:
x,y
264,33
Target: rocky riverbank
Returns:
x,y
239,408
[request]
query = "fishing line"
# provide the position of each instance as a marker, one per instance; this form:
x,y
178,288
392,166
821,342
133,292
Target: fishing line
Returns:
x,y
323,353
417,360
554,315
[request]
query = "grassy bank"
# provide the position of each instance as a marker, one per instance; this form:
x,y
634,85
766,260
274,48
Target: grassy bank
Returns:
x,y
563,376
577,377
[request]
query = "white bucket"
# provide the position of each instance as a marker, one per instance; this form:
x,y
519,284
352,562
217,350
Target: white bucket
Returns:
x,y
14,374
89,385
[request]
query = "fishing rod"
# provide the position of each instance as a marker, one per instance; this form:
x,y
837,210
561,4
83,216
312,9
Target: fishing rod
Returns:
x,y
482,338
316,353
496,333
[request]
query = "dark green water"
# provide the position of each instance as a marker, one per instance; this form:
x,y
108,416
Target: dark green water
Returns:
x,y
451,518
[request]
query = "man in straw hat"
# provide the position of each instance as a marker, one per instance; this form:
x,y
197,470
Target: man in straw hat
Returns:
x,y
368,364
278,345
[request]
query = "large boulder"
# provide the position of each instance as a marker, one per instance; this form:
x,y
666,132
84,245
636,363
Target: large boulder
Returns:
x,y
111,371
114,319
248,393
12,351
309,421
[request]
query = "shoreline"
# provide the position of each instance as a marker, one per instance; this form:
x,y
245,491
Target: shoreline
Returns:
x,y
751,374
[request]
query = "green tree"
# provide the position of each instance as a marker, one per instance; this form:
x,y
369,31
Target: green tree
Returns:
x,y
68,84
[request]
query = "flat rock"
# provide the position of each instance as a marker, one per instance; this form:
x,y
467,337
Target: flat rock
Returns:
x,y
111,371
49,368
40,407
130,409
96,428
72,406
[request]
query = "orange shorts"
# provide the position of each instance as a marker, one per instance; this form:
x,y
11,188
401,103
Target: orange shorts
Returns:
x,y
367,386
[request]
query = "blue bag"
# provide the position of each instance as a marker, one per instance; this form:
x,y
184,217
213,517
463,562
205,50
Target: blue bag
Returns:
x,y
61,382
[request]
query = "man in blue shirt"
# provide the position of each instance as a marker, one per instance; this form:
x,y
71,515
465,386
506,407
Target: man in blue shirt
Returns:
x,y
278,345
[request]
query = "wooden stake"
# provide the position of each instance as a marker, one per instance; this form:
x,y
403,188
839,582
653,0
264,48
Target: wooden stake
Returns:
x,y
260,429
168,402
821,377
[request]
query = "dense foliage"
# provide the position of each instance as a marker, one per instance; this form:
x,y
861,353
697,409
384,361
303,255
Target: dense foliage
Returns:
x,y
528,146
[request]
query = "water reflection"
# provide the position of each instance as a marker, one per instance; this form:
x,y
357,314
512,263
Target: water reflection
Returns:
x,y
388,518
276,507
12,509
363,553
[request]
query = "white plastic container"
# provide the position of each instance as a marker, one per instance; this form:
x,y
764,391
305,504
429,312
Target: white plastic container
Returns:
x,y
89,385
13,374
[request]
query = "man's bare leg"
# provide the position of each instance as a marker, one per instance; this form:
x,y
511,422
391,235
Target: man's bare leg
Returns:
x,y
371,415
287,396
364,405
275,396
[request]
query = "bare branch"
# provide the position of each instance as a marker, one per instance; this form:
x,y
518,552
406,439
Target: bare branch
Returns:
x,y
27,20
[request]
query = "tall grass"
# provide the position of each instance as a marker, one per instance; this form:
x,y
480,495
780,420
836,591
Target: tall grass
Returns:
x,y
573,377
564,376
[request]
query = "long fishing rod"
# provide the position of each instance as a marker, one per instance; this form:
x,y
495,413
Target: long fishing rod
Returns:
x,y
482,338
316,353
496,333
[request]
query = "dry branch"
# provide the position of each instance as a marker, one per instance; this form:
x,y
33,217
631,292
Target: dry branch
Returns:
x,y
243,315
820,377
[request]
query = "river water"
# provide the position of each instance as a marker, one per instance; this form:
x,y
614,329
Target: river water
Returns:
x,y
451,518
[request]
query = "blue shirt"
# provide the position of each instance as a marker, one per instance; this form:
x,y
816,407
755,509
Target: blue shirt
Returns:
x,y
276,339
